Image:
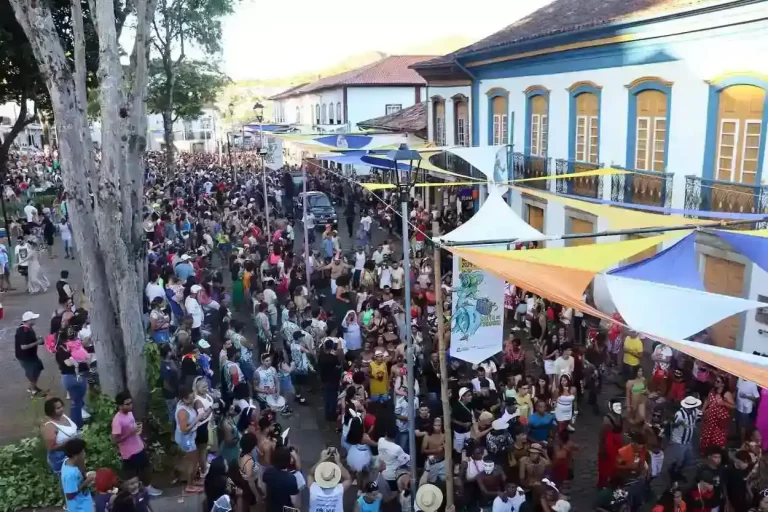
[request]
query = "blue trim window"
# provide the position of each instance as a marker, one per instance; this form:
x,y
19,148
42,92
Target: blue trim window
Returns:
x,y
536,123
648,130
746,135
584,127
498,116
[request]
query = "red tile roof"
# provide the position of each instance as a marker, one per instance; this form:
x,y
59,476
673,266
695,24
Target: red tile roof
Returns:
x,y
287,93
412,119
562,16
392,70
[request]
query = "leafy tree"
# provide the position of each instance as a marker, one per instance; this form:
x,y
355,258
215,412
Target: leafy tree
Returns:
x,y
197,84
177,25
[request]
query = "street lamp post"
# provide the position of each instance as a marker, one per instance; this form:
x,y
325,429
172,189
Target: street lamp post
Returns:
x,y
404,177
229,146
258,109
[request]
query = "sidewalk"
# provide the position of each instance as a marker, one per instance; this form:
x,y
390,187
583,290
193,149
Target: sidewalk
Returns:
x,y
171,500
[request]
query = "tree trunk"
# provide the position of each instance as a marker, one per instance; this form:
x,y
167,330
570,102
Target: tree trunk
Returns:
x,y
168,137
170,84
106,228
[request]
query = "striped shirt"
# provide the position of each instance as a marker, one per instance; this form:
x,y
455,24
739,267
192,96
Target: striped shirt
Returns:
x,y
682,430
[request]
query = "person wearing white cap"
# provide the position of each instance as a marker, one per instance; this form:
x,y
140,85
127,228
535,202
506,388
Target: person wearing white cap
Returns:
x,y
327,482
26,351
195,310
462,418
184,269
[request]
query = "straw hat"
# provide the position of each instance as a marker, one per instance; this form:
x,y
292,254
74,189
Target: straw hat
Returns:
x,y
429,498
327,475
690,402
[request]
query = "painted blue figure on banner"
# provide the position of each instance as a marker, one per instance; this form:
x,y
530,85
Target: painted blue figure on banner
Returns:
x,y
341,142
470,308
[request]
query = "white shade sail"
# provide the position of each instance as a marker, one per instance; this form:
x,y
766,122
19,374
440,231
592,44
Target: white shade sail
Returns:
x,y
645,307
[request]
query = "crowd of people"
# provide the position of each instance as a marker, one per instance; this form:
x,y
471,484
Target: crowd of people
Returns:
x,y
244,338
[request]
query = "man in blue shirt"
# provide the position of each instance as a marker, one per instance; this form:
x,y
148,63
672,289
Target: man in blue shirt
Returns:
x,y
184,269
327,246
73,482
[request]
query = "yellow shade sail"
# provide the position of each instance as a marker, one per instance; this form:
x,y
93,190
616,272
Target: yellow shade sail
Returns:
x,y
591,258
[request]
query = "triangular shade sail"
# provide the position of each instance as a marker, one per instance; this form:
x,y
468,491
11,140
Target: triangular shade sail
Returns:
x,y
675,266
753,246
495,220
618,218
645,307
592,258
482,158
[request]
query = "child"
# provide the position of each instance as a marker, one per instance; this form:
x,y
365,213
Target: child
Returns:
x,y
138,493
204,360
66,238
105,485
74,483
370,501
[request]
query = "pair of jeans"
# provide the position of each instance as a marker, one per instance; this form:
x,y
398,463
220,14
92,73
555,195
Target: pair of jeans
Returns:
x,y
76,386
331,396
402,439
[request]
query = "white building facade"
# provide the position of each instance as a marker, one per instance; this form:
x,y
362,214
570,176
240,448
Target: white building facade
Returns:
x,y
678,93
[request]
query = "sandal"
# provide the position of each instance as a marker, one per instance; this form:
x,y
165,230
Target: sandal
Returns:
x,y
193,489
301,400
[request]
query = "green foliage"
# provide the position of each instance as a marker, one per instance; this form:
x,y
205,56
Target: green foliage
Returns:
x,y
196,85
101,450
26,480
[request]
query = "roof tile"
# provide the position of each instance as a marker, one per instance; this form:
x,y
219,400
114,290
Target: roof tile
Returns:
x,y
392,70
412,119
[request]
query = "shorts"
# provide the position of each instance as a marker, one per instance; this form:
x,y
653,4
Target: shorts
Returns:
x,y
379,398
744,420
136,464
201,435
32,368
23,270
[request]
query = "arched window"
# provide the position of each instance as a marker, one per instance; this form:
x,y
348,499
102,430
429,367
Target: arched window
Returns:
x,y
298,115
585,122
740,118
324,118
339,118
330,113
537,121
438,107
317,114
498,117
461,123
648,124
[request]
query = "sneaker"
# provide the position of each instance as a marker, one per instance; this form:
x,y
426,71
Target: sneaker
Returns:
x,y
153,491
85,414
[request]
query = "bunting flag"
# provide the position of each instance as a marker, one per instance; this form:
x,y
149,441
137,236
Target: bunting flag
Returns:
x,y
644,306
676,265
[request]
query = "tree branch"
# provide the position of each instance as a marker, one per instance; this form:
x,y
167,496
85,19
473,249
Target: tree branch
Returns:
x,y
158,36
122,16
18,126
78,37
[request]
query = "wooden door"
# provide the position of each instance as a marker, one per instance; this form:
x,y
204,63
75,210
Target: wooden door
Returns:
x,y
726,278
581,226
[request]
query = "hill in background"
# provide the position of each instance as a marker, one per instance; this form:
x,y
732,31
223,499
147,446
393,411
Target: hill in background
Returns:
x,y
245,93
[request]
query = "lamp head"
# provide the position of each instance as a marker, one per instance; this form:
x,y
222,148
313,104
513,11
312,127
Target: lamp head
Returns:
x,y
258,109
405,165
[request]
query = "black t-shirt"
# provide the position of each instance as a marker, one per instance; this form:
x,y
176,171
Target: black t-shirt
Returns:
x,y
329,368
736,487
62,354
281,485
460,412
431,377
24,336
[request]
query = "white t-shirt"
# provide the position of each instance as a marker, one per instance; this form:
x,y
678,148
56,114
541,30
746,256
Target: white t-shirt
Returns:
x,y
154,290
22,254
393,456
385,279
476,384
359,260
366,223
30,211
513,504
398,275
377,257
563,367
195,310
309,220
66,233
746,388
326,500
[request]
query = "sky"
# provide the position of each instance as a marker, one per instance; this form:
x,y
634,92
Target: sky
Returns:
x,y
270,39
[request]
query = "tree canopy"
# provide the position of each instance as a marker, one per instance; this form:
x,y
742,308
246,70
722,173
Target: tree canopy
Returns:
x,y
197,84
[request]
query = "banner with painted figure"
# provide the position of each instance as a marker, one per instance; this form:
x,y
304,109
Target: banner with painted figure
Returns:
x,y
477,319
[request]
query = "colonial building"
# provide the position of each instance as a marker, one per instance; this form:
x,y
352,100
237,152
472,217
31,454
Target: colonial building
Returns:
x,y
338,103
675,90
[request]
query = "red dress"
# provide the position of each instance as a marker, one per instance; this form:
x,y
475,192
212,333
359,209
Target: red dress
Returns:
x,y
606,462
717,420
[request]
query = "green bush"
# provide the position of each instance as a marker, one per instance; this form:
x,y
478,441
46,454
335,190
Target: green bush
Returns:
x,y
26,480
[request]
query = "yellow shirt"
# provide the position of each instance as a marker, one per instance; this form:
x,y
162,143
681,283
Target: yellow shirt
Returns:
x,y
379,387
635,345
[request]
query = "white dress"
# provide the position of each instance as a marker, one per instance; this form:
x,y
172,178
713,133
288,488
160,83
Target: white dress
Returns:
x,y
564,407
37,280
358,457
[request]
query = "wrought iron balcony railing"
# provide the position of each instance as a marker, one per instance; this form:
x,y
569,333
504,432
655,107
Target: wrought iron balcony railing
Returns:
x,y
651,188
591,186
527,166
725,196
451,162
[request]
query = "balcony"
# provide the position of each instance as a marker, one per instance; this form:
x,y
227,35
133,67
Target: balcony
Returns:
x,y
724,196
527,166
650,188
591,186
453,163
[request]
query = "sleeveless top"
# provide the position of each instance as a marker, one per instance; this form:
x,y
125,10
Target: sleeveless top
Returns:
x,y
267,377
369,507
180,437
64,432
326,500
207,402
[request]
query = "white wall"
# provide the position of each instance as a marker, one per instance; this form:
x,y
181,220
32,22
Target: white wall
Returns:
x,y
447,93
369,102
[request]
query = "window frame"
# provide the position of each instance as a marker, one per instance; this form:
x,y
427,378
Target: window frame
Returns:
x,y
392,108
735,134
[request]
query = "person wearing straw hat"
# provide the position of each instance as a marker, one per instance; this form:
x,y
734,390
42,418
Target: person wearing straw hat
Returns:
x,y
429,497
679,451
327,481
